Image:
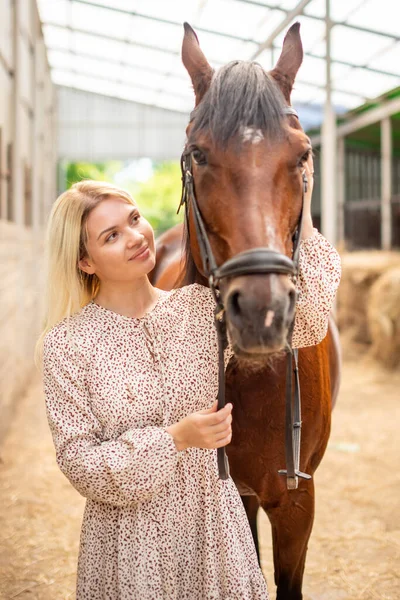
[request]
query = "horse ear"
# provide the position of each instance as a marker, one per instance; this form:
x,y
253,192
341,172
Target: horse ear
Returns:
x,y
289,61
196,63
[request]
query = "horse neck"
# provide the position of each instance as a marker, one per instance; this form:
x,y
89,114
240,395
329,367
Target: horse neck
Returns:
x,y
191,274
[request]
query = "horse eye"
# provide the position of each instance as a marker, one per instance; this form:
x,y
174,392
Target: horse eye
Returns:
x,y
304,158
199,157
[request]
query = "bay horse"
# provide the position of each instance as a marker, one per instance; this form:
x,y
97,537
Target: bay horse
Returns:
x,y
247,162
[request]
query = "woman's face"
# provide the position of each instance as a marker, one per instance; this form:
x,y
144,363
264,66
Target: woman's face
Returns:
x,y
120,242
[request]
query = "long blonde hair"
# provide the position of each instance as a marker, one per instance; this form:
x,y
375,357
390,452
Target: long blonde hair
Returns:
x,y
68,288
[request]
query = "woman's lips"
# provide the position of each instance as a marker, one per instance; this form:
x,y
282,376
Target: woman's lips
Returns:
x,y
142,254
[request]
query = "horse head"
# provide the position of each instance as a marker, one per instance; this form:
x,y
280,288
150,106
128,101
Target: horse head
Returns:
x,y
247,152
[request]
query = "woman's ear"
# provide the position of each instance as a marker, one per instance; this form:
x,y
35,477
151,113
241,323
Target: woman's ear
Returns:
x,y
86,266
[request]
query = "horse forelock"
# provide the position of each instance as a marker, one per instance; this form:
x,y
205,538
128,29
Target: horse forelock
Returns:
x,y
242,98
243,103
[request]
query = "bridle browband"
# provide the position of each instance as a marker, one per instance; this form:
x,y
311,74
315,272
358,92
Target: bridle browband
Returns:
x,y
256,260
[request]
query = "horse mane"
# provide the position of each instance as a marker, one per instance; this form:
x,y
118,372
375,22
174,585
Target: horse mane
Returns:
x,y
241,95
189,272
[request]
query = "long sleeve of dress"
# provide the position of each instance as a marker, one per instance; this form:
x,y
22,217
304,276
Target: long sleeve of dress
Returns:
x,y
317,283
122,471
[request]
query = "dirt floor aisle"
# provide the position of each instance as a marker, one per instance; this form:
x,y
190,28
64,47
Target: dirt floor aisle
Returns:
x,y
354,552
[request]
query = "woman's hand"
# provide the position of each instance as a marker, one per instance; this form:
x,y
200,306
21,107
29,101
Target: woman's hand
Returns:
x,y
308,227
204,429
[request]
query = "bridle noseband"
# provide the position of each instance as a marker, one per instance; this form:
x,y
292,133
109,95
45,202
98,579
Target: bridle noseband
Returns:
x,y
254,261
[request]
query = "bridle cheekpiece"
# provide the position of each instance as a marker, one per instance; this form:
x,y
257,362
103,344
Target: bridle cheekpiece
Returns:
x,y
249,262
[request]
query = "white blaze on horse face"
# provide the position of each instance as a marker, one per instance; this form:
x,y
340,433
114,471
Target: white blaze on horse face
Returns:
x,y
271,237
269,317
250,134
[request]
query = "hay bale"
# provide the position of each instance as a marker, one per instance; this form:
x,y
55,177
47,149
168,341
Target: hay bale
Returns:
x,y
359,272
384,318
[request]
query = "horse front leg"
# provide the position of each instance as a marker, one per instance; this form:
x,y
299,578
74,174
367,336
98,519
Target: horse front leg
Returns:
x,y
251,506
291,520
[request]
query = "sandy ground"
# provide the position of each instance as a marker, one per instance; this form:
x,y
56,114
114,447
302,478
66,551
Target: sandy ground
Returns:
x,y
354,552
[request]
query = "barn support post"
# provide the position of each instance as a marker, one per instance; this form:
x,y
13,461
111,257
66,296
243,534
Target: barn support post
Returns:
x,y
341,189
36,151
386,185
17,213
328,147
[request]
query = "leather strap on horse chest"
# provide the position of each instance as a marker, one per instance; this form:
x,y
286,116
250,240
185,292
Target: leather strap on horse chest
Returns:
x,y
256,260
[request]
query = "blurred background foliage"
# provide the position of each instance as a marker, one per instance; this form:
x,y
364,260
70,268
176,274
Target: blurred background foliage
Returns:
x,y
155,186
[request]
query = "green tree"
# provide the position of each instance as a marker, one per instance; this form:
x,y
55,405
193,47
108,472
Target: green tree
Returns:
x,y
159,196
76,171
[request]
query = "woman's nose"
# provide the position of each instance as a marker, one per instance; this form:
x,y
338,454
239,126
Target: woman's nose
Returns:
x,y
134,238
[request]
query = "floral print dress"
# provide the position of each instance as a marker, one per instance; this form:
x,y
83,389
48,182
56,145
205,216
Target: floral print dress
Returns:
x,y
158,523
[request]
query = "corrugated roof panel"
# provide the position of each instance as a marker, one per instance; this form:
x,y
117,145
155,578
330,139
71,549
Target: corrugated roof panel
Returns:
x,y
340,9
59,60
220,49
312,32
100,20
134,76
144,31
183,86
232,18
92,42
272,19
121,4
104,48
372,15
267,59
355,46
153,59
388,60
372,84
57,38
56,12
176,10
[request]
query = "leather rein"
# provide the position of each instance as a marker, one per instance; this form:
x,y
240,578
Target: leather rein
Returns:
x,y
256,260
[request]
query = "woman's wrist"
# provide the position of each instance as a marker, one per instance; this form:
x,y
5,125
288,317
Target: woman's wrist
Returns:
x,y
307,228
175,433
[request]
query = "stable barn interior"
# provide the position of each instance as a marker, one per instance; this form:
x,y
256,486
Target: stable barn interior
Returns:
x,y
98,81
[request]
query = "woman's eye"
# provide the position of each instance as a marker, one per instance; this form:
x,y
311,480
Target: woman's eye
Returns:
x,y
199,157
110,237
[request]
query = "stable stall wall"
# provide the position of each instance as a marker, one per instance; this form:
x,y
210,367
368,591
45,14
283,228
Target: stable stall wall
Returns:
x,y
28,156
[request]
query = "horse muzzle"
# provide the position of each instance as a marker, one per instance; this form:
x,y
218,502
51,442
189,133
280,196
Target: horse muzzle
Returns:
x,y
259,312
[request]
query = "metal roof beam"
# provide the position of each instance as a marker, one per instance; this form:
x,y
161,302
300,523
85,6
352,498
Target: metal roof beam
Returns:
x,y
162,72
352,65
134,13
177,53
369,117
289,16
112,38
113,61
321,86
127,64
119,82
298,9
316,18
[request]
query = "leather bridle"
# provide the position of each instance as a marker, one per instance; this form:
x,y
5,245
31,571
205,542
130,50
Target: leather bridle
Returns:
x,y
256,260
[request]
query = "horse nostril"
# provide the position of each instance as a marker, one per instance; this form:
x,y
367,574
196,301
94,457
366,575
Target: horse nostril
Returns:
x,y
292,302
234,304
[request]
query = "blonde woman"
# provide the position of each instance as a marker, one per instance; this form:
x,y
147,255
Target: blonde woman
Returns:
x,y
130,383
